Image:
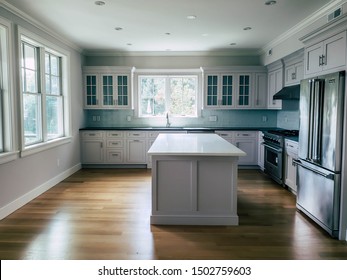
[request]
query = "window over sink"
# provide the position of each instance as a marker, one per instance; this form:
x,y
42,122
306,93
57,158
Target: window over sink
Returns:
x,y
175,94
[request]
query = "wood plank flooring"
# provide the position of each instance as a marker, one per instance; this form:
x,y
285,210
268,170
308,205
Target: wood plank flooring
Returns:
x,y
104,214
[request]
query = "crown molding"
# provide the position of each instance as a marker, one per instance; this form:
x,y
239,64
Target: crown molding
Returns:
x,y
12,9
323,11
115,53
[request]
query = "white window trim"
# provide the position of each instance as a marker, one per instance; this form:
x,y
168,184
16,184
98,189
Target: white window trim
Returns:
x,y
167,72
10,153
66,89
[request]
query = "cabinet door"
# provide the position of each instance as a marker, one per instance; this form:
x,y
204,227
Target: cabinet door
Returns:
x,y
260,89
249,146
212,90
136,151
244,91
290,172
313,56
275,84
91,90
334,55
227,90
92,151
123,91
107,90
293,74
114,156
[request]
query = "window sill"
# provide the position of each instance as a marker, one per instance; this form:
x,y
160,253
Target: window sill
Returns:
x,y
37,148
8,156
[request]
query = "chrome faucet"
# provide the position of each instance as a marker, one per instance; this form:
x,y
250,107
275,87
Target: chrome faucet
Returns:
x,y
167,120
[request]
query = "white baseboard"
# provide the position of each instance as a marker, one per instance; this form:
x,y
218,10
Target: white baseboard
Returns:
x,y
19,202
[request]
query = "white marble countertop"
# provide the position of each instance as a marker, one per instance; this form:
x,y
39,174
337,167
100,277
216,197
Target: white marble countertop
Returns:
x,y
196,144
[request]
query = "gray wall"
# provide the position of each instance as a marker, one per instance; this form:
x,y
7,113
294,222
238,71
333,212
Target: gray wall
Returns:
x,y
22,177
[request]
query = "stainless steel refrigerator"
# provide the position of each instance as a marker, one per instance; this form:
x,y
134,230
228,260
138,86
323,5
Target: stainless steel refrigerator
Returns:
x,y
320,148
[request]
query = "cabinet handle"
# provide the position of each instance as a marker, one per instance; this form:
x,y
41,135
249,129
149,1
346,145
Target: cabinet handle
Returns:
x,y
136,140
115,155
320,60
324,58
91,134
101,145
114,143
136,134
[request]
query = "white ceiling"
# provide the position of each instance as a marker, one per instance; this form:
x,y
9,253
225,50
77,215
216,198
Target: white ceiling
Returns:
x,y
145,23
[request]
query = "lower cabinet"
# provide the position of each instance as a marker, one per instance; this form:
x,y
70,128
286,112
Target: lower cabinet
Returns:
x,y
92,145
291,153
136,144
247,141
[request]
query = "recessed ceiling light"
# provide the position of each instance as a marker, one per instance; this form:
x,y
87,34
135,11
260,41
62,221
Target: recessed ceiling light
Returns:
x,y
269,3
204,35
168,33
129,44
118,28
191,17
99,3
247,28
232,44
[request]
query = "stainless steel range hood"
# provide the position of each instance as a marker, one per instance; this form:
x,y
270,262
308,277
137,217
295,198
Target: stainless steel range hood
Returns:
x,y
288,93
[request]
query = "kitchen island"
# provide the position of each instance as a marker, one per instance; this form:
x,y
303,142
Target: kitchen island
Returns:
x,y
194,180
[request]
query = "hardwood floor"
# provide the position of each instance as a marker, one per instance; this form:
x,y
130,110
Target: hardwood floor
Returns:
x,y
104,214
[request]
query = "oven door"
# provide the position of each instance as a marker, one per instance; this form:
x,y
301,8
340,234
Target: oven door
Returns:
x,y
273,157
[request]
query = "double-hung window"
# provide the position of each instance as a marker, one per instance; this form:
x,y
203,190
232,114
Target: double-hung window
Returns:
x,y
7,125
45,107
174,94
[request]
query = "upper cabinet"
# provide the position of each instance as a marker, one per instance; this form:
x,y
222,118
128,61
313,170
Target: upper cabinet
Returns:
x,y
326,55
234,87
294,68
325,48
275,84
107,87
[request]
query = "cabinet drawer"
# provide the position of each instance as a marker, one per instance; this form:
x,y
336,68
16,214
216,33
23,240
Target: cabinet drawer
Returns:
x,y
92,134
114,156
153,134
115,143
225,134
115,134
248,134
136,134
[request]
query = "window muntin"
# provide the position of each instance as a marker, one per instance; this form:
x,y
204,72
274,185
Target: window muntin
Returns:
x,y
176,95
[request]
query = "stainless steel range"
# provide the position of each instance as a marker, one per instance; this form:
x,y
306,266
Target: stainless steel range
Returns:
x,y
273,152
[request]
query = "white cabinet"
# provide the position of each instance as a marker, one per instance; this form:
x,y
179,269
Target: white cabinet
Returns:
x,y
260,91
326,56
234,87
107,87
260,150
294,73
275,84
291,153
92,147
246,141
136,152
115,147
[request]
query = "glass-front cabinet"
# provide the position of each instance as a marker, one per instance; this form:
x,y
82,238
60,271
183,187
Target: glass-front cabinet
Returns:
x,y
228,90
219,90
107,87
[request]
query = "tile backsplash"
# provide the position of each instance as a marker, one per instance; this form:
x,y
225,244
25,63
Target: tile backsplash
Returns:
x,y
208,118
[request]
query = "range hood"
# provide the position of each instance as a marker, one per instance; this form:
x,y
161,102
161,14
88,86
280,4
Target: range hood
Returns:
x,y
288,93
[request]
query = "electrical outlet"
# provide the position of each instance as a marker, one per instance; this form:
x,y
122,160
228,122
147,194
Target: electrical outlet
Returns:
x,y
212,118
264,118
94,118
98,118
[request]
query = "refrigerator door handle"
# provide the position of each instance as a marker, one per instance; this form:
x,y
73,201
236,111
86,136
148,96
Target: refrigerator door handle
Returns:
x,y
328,176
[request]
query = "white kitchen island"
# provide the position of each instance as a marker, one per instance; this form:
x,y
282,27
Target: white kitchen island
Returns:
x,y
194,180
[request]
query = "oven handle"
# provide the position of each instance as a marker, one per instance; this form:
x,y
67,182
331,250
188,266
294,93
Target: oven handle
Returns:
x,y
272,148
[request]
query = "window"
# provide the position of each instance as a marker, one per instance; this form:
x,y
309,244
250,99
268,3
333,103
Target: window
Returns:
x,y
7,127
176,95
44,99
